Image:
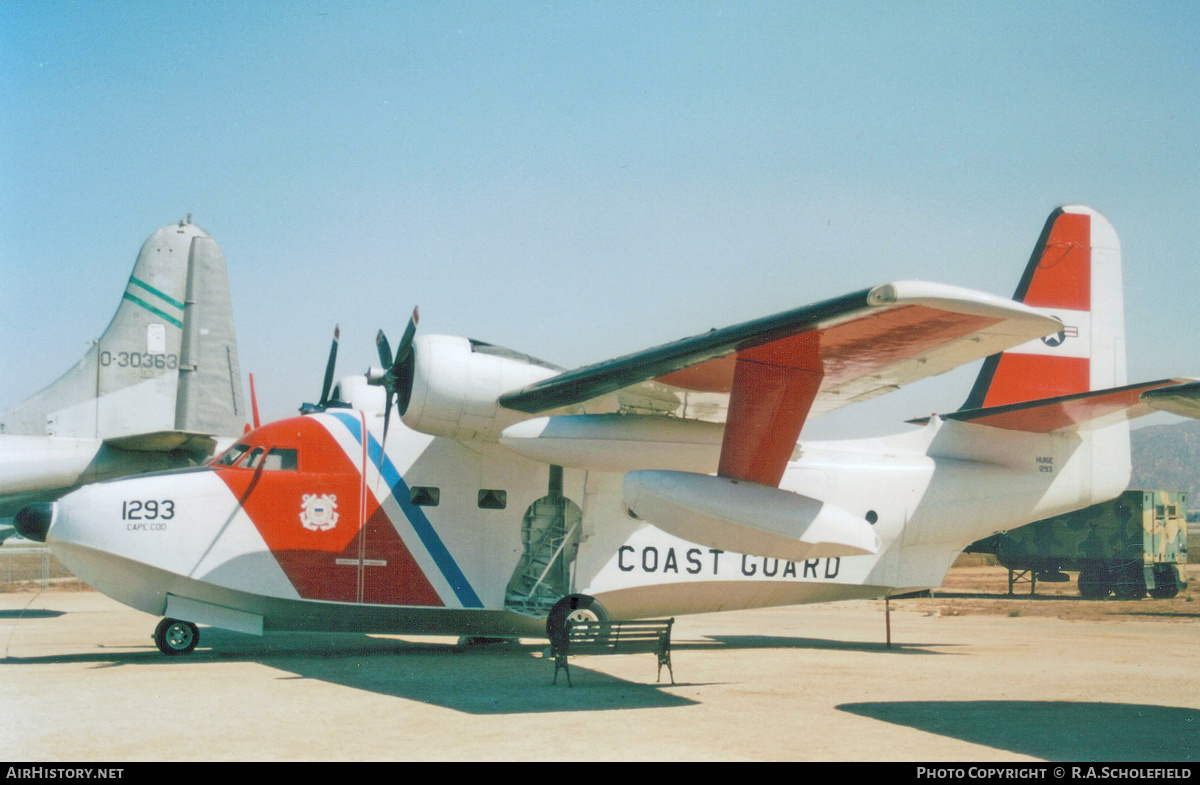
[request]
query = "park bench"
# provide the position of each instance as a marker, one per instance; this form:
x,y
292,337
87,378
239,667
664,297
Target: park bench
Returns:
x,y
613,637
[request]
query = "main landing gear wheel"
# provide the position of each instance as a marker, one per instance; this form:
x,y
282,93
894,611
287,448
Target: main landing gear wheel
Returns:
x,y
174,637
584,616
580,610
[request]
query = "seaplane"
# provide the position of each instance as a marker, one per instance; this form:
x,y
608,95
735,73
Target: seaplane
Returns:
x,y
465,489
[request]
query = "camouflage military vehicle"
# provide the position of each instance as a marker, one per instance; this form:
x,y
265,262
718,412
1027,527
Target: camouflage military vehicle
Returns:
x,y
1131,545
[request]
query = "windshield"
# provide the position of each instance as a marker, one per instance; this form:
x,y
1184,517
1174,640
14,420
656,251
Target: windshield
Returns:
x,y
230,456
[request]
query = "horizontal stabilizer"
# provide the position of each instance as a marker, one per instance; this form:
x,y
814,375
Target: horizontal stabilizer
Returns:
x,y
1086,410
1180,399
745,517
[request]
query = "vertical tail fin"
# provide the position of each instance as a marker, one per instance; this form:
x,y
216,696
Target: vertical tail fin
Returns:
x,y
210,381
167,361
1075,275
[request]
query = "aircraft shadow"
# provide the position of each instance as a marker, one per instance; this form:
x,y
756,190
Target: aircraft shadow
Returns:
x,y
1052,730
1128,610
509,678
942,594
714,642
488,680
32,613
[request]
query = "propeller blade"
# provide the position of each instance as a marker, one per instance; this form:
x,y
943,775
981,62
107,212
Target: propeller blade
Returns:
x,y
406,341
333,350
384,349
387,416
396,376
311,408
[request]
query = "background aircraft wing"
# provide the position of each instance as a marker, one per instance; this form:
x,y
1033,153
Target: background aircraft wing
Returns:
x,y
863,344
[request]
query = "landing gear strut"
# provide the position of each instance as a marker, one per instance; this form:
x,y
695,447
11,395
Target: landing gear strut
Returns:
x,y
174,637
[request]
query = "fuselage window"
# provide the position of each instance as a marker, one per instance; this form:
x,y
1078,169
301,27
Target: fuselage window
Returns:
x,y
424,496
490,499
281,459
230,456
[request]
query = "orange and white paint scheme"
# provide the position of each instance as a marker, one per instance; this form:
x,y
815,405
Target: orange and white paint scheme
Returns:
x,y
464,488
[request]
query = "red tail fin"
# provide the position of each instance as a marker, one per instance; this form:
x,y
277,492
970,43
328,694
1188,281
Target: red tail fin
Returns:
x,y
1074,274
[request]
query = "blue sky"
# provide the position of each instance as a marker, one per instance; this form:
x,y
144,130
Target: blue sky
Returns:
x,y
580,180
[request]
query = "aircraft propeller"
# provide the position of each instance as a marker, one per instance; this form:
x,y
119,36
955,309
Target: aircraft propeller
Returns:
x,y
397,376
320,406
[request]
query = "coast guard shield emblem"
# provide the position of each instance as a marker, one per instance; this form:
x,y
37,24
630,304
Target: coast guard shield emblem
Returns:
x,y
319,513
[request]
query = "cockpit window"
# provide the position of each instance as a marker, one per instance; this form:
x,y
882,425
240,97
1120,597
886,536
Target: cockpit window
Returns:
x,y
252,461
230,456
281,459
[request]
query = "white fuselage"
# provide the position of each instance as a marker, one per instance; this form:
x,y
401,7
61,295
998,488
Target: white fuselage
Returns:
x,y
265,548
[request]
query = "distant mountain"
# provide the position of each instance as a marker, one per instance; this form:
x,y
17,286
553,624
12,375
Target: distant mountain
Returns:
x,y
1167,457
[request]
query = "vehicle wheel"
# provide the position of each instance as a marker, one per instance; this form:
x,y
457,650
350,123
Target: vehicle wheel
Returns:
x,y
1093,586
1166,583
1130,584
174,637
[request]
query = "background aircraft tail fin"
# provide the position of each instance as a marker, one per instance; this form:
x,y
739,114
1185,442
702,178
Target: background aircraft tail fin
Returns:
x,y
167,361
1074,274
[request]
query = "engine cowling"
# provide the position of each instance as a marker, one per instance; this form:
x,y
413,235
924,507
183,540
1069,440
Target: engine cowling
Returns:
x,y
455,384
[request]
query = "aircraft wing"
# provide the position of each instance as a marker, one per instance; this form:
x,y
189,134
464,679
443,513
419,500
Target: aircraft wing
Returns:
x,y
164,441
868,343
778,370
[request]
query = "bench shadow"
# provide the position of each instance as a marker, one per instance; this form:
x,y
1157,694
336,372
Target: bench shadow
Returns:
x,y
510,678
1052,730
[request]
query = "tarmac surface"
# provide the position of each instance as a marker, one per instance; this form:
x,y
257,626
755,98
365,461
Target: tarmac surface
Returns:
x,y
969,677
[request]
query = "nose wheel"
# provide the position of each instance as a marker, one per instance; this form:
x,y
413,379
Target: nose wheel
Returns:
x,y
173,637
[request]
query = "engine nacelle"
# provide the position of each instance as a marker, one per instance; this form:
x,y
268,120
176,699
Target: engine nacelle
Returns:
x,y
456,383
359,393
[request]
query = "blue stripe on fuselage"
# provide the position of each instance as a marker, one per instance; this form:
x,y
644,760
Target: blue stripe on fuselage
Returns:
x,y
416,516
